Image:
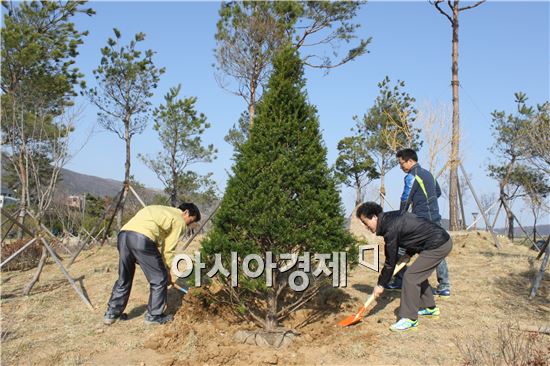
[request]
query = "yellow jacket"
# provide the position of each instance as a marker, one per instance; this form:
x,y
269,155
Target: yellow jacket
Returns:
x,y
163,225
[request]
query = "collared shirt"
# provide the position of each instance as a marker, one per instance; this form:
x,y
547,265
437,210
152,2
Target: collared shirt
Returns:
x,y
163,225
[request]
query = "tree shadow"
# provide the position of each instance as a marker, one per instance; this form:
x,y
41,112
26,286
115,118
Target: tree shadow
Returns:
x,y
80,281
517,286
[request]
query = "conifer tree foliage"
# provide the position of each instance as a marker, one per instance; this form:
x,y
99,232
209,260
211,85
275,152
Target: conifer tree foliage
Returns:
x,y
280,198
180,127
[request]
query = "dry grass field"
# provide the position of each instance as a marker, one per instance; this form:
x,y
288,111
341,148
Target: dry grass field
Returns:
x,y
490,296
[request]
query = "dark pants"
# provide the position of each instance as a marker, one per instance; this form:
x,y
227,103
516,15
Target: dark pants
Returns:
x,y
137,248
442,270
416,292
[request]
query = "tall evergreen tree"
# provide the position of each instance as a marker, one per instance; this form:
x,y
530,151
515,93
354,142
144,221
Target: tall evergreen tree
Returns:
x,y
281,197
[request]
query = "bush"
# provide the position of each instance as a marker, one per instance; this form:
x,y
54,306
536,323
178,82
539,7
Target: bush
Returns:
x,y
511,347
25,260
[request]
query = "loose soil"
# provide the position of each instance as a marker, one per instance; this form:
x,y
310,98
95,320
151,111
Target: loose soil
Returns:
x,y
53,326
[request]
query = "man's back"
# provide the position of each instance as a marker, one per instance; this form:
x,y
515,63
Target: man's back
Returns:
x,y
421,191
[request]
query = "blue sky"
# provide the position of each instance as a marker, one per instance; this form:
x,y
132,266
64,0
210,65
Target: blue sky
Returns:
x,y
504,48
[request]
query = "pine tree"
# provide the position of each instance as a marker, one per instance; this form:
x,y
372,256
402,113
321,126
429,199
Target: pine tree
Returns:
x,y
280,198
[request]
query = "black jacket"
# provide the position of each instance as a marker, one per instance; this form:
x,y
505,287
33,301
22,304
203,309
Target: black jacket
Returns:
x,y
407,231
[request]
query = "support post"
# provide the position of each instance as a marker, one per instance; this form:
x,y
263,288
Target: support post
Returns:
x,y
137,196
497,244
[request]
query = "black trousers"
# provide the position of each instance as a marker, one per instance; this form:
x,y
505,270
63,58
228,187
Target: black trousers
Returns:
x,y
137,248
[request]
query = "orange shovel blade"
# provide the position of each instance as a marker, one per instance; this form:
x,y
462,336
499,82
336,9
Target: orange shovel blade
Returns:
x,y
353,319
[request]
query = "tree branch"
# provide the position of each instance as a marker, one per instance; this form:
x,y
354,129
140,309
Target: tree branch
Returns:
x,y
471,6
436,4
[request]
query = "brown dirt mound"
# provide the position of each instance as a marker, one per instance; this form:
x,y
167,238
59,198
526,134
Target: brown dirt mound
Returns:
x,y
204,333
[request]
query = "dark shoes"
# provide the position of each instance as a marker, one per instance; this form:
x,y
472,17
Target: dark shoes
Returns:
x,y
109,319
442,293
393,285
158,319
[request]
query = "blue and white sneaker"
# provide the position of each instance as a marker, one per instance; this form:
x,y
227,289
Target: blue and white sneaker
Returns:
x,y
394,285
441,293
429,313
404,324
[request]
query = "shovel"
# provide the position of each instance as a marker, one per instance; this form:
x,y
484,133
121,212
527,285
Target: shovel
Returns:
x,y
354,319
181,289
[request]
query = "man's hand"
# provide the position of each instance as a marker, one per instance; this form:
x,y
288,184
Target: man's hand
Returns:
x,y
378,290
404,259
170,277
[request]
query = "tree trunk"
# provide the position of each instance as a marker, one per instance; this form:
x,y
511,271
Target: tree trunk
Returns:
x,y
358,195
252,104
382,185
174,192
271,322
128,140
509,216
174,188
23,179
534,228
455,141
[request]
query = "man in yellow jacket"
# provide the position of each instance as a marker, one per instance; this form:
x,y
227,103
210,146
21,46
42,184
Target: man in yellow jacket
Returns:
x,y
149,239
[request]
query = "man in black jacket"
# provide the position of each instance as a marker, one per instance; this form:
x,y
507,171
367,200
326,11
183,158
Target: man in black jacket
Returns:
x,y
421,191
416,236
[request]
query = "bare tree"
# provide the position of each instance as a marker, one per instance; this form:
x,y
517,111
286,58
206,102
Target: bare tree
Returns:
x,y
435,120
454,9
53,149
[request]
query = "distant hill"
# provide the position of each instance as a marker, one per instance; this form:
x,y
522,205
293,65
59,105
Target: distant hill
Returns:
x,y
542,230
74,183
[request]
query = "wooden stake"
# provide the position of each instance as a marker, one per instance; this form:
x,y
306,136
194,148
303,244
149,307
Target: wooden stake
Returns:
x,y
540,274
36,277
545,329
85,242
543,247
202,225
117,207
497,244
17,253
66,274
459,190
136,195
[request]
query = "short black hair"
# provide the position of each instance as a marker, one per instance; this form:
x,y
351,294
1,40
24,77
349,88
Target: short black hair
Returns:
x,y
407,154
193,210
368,209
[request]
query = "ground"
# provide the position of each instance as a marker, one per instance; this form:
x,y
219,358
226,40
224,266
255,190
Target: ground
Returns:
x,y
490,291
